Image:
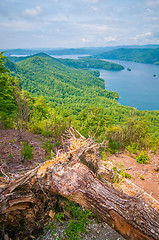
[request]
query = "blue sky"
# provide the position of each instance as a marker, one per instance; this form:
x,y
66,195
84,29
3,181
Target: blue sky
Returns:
x,y
78,23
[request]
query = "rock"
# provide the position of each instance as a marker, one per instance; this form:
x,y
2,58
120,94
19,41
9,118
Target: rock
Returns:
x,y
156,167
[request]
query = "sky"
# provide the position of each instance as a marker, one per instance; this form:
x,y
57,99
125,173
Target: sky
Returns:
x,y
78,23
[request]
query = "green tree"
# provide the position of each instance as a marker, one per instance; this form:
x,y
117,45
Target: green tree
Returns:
x,y
136,131
2,67
7,99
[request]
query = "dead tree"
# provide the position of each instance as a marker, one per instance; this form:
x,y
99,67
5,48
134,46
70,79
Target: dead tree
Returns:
x,y
66,175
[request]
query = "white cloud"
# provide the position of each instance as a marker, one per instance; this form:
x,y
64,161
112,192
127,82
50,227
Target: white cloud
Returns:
x,y
58,18
110,39
18,25
85,40
143,36
148,10
94,27
32,12
95,9
90,1
152,3
148,34
101,28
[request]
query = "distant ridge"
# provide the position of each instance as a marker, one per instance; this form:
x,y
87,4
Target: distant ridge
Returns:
x,y
71,51
142,55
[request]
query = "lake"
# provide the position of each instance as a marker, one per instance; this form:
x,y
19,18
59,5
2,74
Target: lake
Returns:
x,y
75,56
138,88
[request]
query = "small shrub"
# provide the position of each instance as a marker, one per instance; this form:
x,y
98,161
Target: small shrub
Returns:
x,y
52,154
143,158
99,177
113,146
10,155
27,152
48,145
115,177
141,177
76,226
154,149
132,149
125,174
59,217
104,155
13,140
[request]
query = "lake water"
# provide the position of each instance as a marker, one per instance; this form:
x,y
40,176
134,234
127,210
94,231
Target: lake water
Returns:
x,y
70,56
137,88
15,55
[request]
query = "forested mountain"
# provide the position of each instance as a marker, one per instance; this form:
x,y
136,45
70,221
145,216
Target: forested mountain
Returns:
x,y
55,95
76,63
60,84
85,63
142,55
91,63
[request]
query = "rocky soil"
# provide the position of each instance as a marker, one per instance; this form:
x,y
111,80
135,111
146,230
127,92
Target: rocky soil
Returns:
x,y
98,231
150,172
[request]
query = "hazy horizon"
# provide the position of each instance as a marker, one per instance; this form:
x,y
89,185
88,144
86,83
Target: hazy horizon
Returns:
x,y
62,48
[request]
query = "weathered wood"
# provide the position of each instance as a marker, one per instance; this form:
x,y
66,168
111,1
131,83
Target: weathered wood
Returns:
x,y
131,216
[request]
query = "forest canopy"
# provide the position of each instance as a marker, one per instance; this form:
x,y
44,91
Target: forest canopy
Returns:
x,y
58,93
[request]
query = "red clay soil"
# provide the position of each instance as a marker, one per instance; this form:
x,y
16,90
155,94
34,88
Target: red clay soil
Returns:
x,y
150,172
10,150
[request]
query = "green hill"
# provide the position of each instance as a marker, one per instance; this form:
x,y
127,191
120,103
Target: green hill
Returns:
x,y
76,63
43,75
142,55
19,59
91,63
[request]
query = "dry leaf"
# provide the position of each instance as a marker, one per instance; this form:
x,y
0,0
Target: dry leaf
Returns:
x,y
52,214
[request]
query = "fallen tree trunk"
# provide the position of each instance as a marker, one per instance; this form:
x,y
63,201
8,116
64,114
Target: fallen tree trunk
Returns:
x,y
132,217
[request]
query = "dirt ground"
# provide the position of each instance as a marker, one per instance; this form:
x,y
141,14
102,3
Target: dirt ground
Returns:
x,y
11,161
150,171
10,150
